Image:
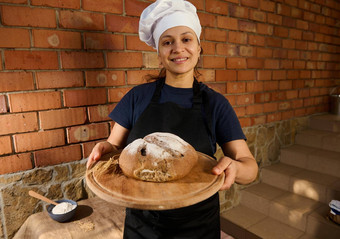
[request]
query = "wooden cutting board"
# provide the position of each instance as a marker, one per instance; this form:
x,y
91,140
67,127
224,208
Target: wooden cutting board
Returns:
x,y
116,188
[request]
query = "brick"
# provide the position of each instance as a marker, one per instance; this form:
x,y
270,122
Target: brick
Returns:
x,y
271,64
281,32
208,48
299,65
110,6
12,40
264,29
219,87
301,45
271,86
76,60
103,41
279,75
254,109
116,94
135,7
16,81
245,99
267,6
227,23
18,123
258,120
287,115
264,75
274,19
285,85
262,97
87,132
284,10
59,79
274,117
237,37
256,40
262,52
81,20
255,63
60,118
273,42
207,75
139,76
215,6
100,112
151,60
73,4
226,75
198,3
293,54
296,12
247,51
250,3
304,25
295,34
280,53
87,148
39,140
289,22
122,24
270,107
56,39
256,15
278,96
15,163
26,16
5,145
3,104
83,97
57,155
236,63
240,111
213,62
124,59
29,60
207,20
34,101
134,43
238,12
227,49
245,122
215,35
247,75
105,78
236,87
14,1
255,86
246,26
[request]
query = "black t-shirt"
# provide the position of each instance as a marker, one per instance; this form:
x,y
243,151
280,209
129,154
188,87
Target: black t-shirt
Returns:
x,y
225,126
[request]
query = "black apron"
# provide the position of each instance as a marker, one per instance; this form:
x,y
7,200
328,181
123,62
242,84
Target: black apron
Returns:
x,y
201,220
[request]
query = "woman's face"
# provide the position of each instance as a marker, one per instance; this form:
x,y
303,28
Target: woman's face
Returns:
x,y
179,50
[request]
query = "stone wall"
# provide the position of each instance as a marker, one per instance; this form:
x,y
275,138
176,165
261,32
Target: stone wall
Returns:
x,y
67,180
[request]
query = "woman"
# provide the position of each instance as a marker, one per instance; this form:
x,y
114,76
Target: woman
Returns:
x,y
178,104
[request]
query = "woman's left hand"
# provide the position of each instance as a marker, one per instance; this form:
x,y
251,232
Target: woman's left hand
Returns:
x,y
228,166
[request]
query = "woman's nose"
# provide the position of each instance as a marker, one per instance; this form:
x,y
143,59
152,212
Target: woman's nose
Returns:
x,y
178,47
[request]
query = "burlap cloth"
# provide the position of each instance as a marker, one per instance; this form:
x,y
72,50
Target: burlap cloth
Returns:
x,y
94,218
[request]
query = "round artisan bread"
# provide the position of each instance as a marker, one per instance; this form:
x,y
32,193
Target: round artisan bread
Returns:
x,y
158,157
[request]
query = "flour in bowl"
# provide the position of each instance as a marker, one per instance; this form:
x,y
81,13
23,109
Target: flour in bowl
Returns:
x,y
63,208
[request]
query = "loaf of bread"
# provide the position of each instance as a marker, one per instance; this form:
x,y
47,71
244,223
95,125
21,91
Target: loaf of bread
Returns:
x,y
158,157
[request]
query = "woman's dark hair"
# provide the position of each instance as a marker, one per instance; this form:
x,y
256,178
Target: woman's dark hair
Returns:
x,y
162,72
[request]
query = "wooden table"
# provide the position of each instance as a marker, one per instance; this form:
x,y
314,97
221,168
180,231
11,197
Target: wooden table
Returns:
x,y
95,218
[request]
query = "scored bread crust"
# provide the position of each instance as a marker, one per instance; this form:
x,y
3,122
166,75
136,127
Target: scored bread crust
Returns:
x,y
158,157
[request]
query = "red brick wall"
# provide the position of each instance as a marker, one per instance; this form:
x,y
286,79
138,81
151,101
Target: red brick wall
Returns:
x,y
64,64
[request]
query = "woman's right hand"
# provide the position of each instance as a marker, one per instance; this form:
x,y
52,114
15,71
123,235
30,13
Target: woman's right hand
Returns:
x,y
99,150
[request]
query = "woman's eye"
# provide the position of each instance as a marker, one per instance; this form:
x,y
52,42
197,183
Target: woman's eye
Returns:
x,y
186,40
166,43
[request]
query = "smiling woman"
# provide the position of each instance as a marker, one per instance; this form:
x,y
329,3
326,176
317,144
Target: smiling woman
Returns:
x,y
177,103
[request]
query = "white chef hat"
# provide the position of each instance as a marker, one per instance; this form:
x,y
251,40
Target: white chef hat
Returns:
x,y
165,14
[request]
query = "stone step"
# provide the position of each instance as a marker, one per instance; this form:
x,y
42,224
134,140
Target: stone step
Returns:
x,y
307,183
327,122
303,214
242,222
314,159
319,139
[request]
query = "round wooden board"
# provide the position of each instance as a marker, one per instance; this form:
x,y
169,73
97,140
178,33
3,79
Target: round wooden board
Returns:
x,y
197,186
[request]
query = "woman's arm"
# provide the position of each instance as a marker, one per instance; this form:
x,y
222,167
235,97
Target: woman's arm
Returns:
x,y
116,140
238,164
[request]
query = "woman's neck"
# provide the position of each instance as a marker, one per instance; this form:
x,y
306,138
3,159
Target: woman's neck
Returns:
x,y
179,80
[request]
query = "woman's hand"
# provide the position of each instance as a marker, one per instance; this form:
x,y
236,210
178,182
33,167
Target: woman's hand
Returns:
x,y
238,164
228,166
99,150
